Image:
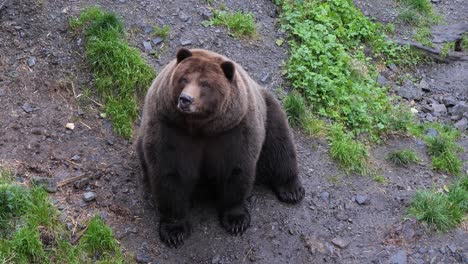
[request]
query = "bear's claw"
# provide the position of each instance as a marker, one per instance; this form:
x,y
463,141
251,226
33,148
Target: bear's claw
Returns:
x,y
173,234
291,196
236,222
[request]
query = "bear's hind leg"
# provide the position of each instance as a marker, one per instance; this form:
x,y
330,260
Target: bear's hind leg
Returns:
x,y
277,164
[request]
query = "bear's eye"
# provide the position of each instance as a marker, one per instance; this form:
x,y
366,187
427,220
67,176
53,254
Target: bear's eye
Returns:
x,y
183,81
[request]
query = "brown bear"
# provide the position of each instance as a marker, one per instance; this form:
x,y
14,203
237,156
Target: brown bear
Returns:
x,y
206,122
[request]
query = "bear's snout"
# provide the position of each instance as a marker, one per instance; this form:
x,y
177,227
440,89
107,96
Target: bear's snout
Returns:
x,y
185,101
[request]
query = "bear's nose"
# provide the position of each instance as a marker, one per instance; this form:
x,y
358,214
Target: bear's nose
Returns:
x,y
185,100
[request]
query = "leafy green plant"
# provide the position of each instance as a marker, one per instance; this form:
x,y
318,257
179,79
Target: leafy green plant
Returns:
x,y
409,16
422,6
464,42
238,24
447,48
98,237
403,157
120,73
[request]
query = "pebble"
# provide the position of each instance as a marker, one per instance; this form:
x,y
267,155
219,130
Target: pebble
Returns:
x,y
157,40
393,67
27,107
452,248
459,109
439,109
410,92
362,199
31,61
206,14
147,29
340,242
89,196
424,85
383,81
48,184
69,226
462,124
76,158
325,196
70,126
143,257
147,46
14,74
185,42
110,142
265,78
431,132
2,92
61,207
399,258
449,101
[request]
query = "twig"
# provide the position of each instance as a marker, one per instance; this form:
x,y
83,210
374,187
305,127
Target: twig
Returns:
x,y
73,89
436,53
85,125
79,235
95,102
2,4
69,180
247,254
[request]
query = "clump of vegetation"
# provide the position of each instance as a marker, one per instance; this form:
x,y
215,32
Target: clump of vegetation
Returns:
x,y
423,35
447,48
30,231
422,6
162,32
464,42
403,157
351,154
295,108
409,16
441,147
239,24
442,211
120,73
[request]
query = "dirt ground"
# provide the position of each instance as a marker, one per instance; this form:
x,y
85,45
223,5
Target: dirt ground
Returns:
x,y
43,75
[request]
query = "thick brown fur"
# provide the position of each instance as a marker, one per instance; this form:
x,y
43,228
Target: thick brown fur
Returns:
x,y
237,133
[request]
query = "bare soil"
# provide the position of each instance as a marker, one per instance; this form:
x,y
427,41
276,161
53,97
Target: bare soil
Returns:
x,y
37,101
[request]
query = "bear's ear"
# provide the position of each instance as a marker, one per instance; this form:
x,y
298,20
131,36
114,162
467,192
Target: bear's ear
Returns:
x,y
228,69
182,54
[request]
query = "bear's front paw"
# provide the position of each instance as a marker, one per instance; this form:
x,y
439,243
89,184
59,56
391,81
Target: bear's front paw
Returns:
x,y
235,220
292,193
174,233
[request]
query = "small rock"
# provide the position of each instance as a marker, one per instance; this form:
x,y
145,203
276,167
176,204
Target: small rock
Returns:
x,y
147,46
48,184
424,85
27,107
383,81
36,131
70,126
89,196
143,257
452,248
429,117
265,78
157,40
110,142
61,207
435,1
104,216
462,124
459,109
414,110
399,258
206,14
184,17
431,132
31,61
449,101
393,67
2,92
340,242
14,74
79,184
442,250
216,259
147,29
76,158
69,226
185,42
325,196
422,250
410,91
362,199
439,109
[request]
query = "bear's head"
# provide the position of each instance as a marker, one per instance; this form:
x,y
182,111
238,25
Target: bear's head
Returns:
x,y
202,85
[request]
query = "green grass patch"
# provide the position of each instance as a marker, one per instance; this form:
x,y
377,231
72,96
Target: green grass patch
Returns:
x,y
464,42
442,147
239,24
30,231
442,211
295,108
403,157
162,32
409,16
380,179
423,35
351,154
422,6
120,73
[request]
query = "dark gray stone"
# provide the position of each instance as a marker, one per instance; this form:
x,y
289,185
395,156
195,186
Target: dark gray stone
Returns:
x,y
449,101
431,132
89,196
393,67
206,14
61,207
148,29
439,109
265,78
184,17
410,91
157,40
27,107
147,46
462,124
452,248
76,157
422,250
48,184
325,196
383,81
459,109
399,258
424,85
143,257
31,61
362,199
